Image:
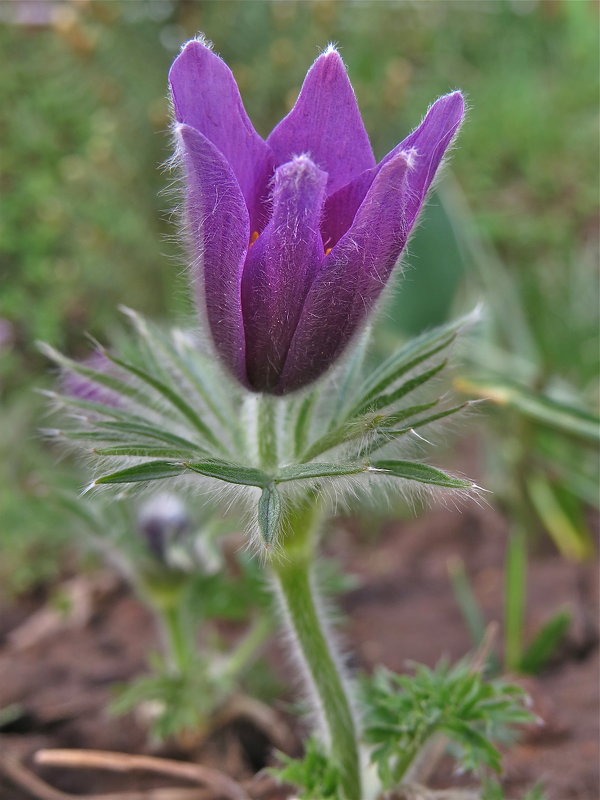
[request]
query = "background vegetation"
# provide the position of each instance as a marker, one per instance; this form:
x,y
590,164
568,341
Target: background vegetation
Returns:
x,y
86,222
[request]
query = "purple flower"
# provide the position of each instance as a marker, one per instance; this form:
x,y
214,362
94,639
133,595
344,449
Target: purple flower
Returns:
x,y
162,520
294,237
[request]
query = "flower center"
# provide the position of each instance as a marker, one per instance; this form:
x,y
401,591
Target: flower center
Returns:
x,y
253,238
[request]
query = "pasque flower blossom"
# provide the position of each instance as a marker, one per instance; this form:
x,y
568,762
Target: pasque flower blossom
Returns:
x,y
294,237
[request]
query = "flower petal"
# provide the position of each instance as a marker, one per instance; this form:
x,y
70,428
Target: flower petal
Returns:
x,y
429,141
280,267
341,207
219,229
325,123
351,278
206,97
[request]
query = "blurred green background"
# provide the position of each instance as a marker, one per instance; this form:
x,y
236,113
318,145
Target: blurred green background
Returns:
x,y
87,220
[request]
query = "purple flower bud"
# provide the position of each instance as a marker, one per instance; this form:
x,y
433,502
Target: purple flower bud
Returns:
x,y
295,237
161,521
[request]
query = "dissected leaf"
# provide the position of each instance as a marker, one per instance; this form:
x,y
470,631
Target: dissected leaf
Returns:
x,y
414,352
403,712
147,471
172,396
270,509
297,472
229,472
422,473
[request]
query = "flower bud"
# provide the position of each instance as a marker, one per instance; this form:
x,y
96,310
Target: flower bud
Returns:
x,y
162,521
294,237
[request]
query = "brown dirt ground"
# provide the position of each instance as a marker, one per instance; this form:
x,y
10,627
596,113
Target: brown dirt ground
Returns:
x,y
402,609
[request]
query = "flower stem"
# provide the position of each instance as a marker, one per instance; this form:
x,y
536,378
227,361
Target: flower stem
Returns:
x,y
267,432
248,649
293,573
177,637
166,595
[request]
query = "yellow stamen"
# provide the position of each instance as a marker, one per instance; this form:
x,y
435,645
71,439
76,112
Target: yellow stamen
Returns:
x,y
327,251
253,238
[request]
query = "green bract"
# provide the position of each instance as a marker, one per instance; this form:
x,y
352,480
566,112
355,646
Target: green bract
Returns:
x,y
168,412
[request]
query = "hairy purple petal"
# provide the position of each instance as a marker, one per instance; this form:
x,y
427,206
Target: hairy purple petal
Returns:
x,y
341,207
280,267
351,278
285,281
429,141
325,123
219,230
206,97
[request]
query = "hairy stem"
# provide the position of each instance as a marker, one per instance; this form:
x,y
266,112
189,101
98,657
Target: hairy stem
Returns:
x,y
177,636
293,574
248,649
165,593
267,432
292,570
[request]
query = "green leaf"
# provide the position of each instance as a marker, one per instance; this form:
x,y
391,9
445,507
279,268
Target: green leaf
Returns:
x,y
567,529
141,451
382,400
173,397
419,423
514,600
148,471
84,436
403,712
112,382
137,429
544,643
350,430
473,739
296,472
492,790
467,601
230,473
315,774
422,473
349,376
71,403
270,509
357,428
388,434
538,407
157,341
411,355
303,419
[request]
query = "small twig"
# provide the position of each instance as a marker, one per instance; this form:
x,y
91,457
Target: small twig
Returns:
x,y
81,594
262,785
25,779
261,715
417,792
124,762
22,777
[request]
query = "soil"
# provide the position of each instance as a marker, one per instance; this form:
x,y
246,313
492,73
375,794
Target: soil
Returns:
x,y
59,675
